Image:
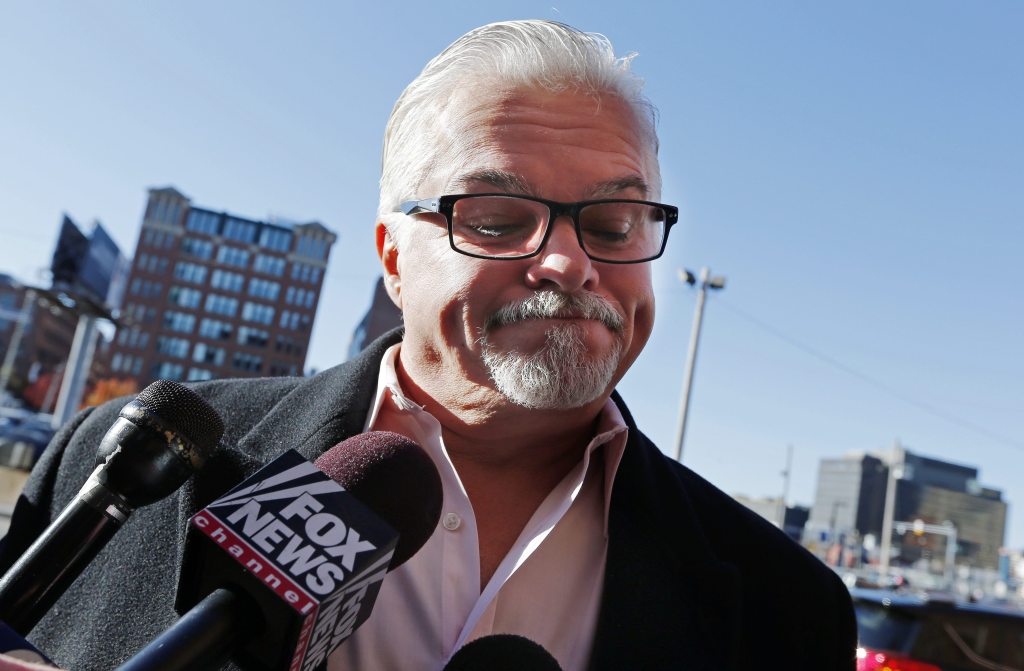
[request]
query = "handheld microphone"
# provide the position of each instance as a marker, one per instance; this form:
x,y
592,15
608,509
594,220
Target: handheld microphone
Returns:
x,y
502,652
157,442
284,567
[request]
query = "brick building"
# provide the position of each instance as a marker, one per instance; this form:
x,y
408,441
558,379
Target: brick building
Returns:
x,y
37,364
213,295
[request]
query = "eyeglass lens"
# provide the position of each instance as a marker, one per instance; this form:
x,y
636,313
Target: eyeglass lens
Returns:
x,y
508,226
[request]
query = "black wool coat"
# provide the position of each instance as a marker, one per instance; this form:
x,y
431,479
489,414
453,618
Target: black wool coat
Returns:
x,y
694,580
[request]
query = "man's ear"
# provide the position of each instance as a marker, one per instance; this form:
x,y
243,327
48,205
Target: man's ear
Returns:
x,y
387,250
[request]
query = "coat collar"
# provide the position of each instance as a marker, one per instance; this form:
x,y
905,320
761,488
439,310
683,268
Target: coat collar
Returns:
x,y
666,597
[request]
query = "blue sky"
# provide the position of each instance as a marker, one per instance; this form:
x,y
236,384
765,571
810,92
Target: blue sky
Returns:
x,y
856,171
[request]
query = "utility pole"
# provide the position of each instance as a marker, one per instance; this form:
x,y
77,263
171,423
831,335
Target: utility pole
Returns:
x,y
785,487
10,358
895,473
706,282
77,370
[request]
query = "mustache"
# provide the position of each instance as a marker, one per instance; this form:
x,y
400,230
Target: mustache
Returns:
x,y
548,304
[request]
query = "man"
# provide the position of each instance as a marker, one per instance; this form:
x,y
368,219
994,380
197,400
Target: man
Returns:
x,y
518,220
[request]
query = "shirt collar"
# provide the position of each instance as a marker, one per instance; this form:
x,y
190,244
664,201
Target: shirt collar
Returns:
x,y
609,437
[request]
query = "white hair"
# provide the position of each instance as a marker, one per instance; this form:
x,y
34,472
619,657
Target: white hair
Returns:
x,y
533,54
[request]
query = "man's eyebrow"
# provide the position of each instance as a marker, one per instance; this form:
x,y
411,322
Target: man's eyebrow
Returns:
x,y
615,187
500,179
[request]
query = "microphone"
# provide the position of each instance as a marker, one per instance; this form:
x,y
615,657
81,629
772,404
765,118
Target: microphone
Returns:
x,y
157,442
502,652
284,567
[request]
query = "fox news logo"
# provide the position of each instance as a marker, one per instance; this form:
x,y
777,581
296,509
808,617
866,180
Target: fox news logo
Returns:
x,y
303,522
297,533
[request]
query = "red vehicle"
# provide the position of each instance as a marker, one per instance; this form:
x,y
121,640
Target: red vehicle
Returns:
x,y
912,632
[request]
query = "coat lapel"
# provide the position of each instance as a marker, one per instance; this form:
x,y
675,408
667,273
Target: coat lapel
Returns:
x,y
666,596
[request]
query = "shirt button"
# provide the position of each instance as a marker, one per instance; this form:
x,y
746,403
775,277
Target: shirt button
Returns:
x,y
452,521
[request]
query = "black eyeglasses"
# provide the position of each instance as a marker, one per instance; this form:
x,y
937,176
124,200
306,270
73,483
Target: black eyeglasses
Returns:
x,y
507,226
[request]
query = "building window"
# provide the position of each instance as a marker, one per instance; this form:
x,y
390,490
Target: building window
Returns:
x,y
237,229
157,239
221,305
232,256
264,289
247,362
199,374
252,337
151,289
227,280
311,248
204,353
300,297
202,222
176,347
179,321
257,312
213,328
287,345
269,265
276,238
200,249
190,272
184,297
304,272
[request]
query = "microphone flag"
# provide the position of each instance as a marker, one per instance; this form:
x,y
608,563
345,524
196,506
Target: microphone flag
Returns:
x,y
307,551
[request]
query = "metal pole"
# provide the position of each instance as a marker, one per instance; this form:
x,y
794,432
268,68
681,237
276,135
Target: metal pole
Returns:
x,y
77,370
895,463
10,358
785,487
691,361
950,553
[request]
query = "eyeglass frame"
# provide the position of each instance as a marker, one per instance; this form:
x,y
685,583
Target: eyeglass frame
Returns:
x,y
445,205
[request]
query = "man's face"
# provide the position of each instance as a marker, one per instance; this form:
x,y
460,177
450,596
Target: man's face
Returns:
x,y
564,147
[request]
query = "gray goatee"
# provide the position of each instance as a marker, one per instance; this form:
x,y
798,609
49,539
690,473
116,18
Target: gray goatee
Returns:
x,y
561,374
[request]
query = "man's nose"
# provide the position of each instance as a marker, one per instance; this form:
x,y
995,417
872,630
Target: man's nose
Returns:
x,y
562,262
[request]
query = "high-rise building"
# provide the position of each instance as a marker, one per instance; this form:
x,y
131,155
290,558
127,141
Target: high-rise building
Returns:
x,y
382,316
850,499
38,325
212,294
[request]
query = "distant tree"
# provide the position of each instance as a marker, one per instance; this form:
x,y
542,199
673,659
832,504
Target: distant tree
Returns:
x,y
109,388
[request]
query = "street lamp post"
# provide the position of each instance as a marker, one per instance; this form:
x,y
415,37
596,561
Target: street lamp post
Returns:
x,y
706,282
889,510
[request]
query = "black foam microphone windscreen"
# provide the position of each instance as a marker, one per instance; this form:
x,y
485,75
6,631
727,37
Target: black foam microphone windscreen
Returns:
x,y
502,652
